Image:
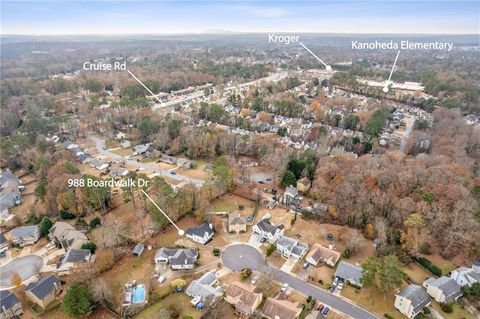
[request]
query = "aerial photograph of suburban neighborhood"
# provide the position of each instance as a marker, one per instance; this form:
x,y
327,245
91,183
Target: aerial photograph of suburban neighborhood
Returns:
x,y
240,159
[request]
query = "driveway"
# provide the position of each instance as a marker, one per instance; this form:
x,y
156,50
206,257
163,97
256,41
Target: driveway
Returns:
x,y
100,144
239,256
25,267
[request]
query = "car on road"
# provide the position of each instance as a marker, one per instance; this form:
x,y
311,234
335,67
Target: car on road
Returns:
x,y
284,287
325,311
173,173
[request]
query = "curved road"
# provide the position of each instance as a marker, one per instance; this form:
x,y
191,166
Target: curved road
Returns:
x,y
239,256
100,144
25,267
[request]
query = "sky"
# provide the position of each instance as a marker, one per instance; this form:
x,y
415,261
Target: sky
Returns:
x,y
176,17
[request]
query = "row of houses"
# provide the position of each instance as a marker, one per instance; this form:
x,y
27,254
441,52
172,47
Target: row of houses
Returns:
x,y
41,292
411,300
10,189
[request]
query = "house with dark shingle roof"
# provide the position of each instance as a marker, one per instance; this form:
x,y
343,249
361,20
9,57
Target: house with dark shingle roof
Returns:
x,y
265,229
178,258
201,234
10,306
27,235
349,273
443,289
74,259
290,197
411,300
44,291
3,244
465,276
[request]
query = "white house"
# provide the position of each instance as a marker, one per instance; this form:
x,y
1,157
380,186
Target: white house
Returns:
x,y
467,276
411,300
264,229
204,289
201,234
443,289
290,247
178,258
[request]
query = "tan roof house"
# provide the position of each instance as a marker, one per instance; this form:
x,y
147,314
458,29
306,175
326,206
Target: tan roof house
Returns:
x,y
281,308
244,297
67,236
236,223
320,253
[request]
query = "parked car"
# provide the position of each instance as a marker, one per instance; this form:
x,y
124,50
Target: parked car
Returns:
x,y
173,173
284,287
329,237
305,265
340,285
320,307
325,311
254,279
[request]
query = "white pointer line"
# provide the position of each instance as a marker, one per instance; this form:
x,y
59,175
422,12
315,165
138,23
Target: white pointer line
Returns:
x,y
316,57
180,231
146,88
393,67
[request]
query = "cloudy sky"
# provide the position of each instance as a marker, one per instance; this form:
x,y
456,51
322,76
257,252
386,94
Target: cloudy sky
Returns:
x,y
171,17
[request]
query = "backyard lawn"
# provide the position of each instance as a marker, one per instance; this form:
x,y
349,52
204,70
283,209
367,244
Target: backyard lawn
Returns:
x,y
180,300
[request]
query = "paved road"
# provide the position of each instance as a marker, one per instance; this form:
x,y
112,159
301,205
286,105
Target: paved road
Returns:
x,y
25,267
239,256
100,144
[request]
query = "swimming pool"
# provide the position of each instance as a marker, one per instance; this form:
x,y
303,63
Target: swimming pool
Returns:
x,y
138,294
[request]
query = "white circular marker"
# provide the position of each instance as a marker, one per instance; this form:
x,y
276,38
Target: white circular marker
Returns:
x,y
328,68
385,89
181,232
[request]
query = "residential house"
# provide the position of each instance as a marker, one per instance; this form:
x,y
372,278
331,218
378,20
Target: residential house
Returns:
x,y
264,229
467,276
443,289
44,291
98,164
27,235
74,259
411,300
281,308
201,234
244,297
10,306
78,151
84,158
290,197
138,250
236,223
204,289
290,247
10,188
120,136
69,145
320,253
178,258
349,273
67,236
140,149
118,171
184,163
168,159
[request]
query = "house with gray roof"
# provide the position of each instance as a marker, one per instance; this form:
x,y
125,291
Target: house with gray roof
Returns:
x,y
10,306
74,259
201,234
10,188
140,149
349,273
205,289
264,229
3,244
67,235
411,300
44,291
465,276
290,197
26,235
290,247
69,145
98,164
443,289
178,258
